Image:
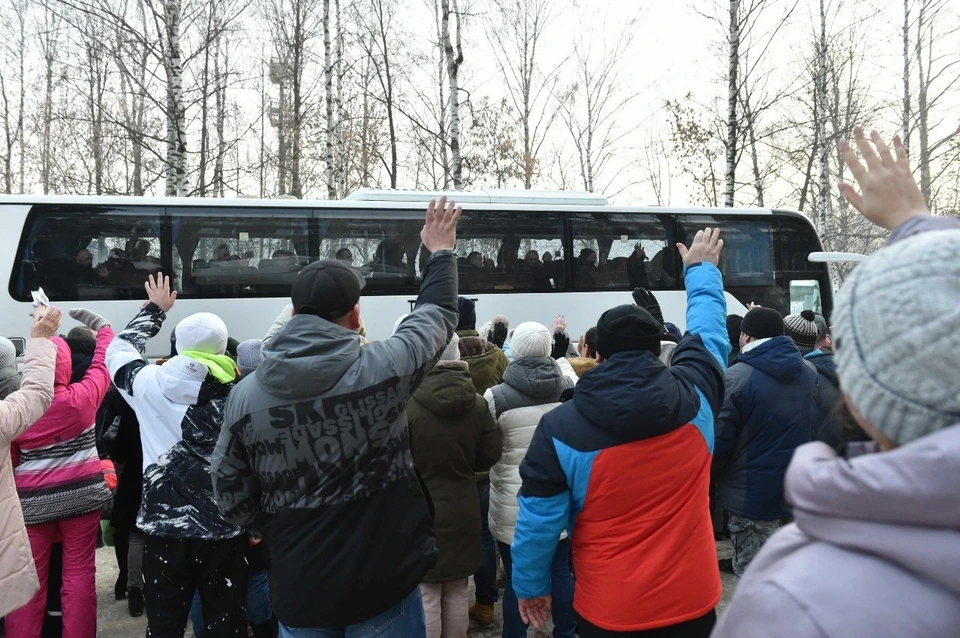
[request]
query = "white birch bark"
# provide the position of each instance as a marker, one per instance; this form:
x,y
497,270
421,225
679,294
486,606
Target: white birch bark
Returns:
x,y
454,59
328,90
733,42
176,169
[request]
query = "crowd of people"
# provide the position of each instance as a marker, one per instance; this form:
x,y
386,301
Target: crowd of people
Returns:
x,y
318,484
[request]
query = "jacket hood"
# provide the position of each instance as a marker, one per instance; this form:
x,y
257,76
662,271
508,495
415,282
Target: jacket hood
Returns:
x,y
778,357
474,346
536,377
825,365
307,357
64,366
181,378
447,390
900,505
630,390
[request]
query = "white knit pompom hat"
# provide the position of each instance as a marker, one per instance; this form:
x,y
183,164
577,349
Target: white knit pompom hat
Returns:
x,y
902,375
531,339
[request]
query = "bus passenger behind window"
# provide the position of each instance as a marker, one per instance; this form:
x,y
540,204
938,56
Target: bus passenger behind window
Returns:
x,y
345,256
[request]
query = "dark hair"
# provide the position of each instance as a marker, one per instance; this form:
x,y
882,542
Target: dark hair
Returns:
x,y
590,338
342,251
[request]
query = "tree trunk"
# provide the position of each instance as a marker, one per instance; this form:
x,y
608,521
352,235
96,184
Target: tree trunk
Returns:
x,y
454,58
222,75
824,207
388,94
328,90
907,117
341,143
923,108
732,95
176,169
204,111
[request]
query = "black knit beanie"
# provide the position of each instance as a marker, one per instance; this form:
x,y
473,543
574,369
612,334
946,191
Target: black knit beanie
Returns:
x,y
627,328
762,323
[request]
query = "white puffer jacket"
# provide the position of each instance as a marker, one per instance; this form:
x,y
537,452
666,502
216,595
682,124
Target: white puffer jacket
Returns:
x,y
535,386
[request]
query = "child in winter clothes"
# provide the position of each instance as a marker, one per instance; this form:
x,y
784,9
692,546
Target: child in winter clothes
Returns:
x,y
875,550
61,487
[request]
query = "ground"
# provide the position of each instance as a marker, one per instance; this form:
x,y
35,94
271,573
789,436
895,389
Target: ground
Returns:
x,y
115,622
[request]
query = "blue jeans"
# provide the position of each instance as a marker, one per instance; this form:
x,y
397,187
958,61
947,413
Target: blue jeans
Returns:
x,y
259,610
564,618
486,578
403,620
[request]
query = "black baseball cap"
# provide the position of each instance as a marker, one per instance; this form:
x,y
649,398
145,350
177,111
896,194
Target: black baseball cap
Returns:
x,y
327,288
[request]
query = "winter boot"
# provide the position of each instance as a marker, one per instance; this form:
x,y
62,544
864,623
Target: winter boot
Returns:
x,y
120,588
483,614
135,602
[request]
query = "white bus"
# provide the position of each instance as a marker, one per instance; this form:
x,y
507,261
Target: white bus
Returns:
x,y
526,254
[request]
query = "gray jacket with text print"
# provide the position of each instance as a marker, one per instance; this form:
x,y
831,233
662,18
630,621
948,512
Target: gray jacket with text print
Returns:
x,y
315,453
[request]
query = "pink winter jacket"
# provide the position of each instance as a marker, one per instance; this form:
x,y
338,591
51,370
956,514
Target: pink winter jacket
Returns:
x,y
56,465
18,577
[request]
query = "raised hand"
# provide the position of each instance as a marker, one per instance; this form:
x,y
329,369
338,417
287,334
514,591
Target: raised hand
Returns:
x,y
560,324
46,322
889,194
440,229
158,292
89,318
706,247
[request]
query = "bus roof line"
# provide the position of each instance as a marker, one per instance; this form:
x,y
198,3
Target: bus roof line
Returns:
x,y
244,202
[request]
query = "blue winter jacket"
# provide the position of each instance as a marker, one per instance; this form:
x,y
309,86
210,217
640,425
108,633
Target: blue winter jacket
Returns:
x,y
769,410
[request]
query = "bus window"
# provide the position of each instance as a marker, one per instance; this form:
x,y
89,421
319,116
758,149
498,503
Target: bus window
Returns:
x,y
748,258
386,250
797,241
510,252
79,253
238,253
622,252
805,295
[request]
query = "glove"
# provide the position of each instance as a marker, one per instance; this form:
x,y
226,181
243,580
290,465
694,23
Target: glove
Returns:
x,y
645,299
500,329
560,344
90,319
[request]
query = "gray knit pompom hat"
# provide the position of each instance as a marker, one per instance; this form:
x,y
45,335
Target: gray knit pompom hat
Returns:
x,y
897,336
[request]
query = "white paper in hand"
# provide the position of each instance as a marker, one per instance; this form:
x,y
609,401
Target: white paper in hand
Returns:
x,y
40,298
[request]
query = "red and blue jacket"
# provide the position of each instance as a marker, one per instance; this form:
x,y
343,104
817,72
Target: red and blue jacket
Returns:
x,y
625,468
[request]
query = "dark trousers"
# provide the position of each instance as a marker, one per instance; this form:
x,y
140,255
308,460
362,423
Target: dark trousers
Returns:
x,y
696,628
486,578
121,547
173,569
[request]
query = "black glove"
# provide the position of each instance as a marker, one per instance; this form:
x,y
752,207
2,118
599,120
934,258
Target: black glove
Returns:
x,y
561,342
645,299
499,335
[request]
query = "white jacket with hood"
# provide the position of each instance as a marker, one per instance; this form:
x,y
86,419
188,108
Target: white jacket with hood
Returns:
x,y
531,387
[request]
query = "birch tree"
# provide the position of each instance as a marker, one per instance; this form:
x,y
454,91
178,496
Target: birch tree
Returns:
x,y
453,53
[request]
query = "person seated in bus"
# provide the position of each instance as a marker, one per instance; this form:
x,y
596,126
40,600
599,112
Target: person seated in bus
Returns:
x,y
587,269
284,261
388,258
475,261
221,254
345,256
637,268
84,258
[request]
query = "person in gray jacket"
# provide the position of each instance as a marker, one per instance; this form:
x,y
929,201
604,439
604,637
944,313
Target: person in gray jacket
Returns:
x,y
315,451
875,550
